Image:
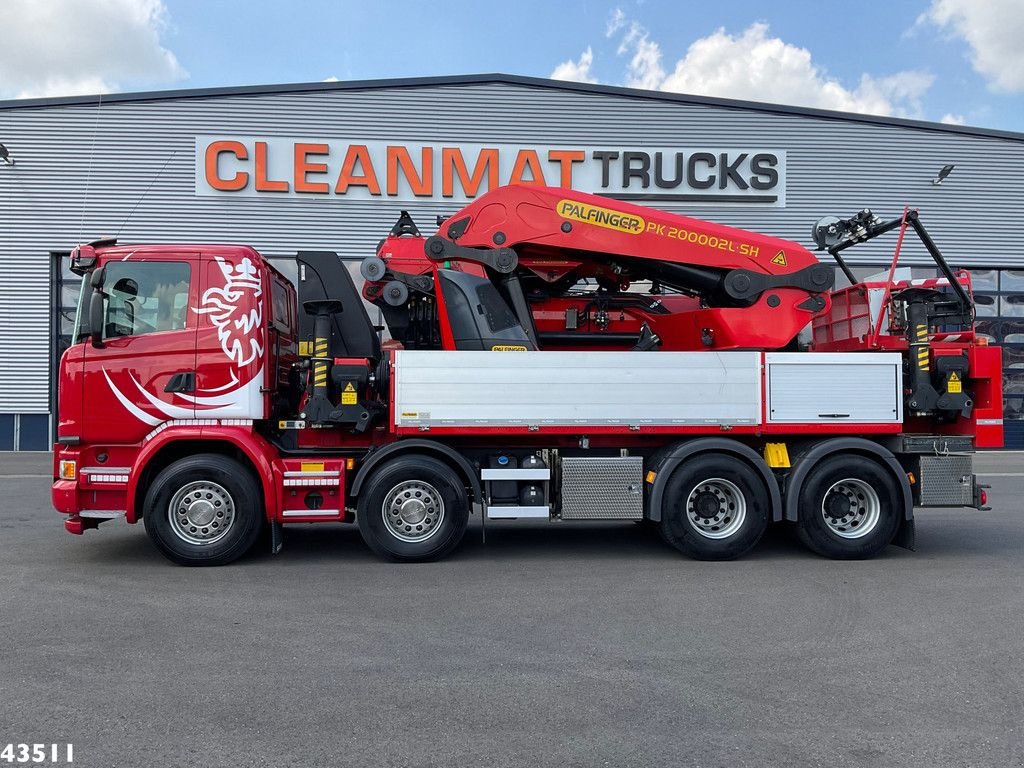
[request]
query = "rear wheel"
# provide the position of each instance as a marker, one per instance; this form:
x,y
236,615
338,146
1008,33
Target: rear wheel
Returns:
x,y
414,508
716,507
204,510
848,508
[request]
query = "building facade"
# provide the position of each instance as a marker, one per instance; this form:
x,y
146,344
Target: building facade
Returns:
x,y
331,166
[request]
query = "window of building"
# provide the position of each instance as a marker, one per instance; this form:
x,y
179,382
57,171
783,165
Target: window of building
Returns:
x,y
999,298
280,305
66,289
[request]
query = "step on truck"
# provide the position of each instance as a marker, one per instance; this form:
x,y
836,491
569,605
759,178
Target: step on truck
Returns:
x,y
550,355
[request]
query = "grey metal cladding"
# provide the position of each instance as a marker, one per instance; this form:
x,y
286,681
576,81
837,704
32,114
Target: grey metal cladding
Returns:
x,y
947,481
113,152
602,488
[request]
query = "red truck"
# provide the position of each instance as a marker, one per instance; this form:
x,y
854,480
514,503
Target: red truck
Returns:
x,y
552,355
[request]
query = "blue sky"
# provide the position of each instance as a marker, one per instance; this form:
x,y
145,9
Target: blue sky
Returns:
x,y
957,60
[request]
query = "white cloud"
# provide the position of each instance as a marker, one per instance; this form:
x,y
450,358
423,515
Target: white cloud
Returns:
x,y
331,79
950,119
751,65
616,21
578,71
70,47
993,29
755,66
644,69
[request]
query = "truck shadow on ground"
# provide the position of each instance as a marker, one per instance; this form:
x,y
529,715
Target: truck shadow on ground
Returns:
x,y
324,543
333,542
601,541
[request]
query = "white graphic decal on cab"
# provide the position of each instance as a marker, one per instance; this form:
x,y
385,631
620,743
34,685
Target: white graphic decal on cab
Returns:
x,y
239,332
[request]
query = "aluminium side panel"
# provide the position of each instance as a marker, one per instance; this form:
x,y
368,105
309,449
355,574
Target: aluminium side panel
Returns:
x,y
834,387
489,389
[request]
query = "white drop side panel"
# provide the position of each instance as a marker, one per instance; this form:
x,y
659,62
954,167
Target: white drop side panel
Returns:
x,y
834,387
440,388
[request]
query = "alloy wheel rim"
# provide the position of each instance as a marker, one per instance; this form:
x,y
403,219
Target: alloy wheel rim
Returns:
x,y
716,508
413,511
851,508
201,512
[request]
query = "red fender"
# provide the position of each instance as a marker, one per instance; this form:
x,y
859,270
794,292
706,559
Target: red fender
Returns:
x,y
256,449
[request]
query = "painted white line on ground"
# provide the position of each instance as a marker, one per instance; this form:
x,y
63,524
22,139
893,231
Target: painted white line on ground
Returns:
x,y
1000,474
24,477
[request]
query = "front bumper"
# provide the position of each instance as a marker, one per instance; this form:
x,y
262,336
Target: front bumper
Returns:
x,y
87,500
64,495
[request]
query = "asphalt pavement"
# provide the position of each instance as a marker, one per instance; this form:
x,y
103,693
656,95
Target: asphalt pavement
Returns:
x,y
564,645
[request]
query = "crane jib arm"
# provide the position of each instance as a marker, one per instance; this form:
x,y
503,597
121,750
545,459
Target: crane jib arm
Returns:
x,y
541,219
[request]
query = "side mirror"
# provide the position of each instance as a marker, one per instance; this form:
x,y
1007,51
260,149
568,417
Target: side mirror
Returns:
x,y
83,257
96,308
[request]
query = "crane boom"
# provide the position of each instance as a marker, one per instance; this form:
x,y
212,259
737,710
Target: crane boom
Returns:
x,y
712,286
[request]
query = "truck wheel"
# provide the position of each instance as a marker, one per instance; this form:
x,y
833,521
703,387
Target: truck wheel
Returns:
x,y
415,508
848,508
204,510
716,507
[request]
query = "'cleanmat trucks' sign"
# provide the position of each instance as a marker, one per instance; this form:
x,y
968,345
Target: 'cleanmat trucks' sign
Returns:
x,y
404,171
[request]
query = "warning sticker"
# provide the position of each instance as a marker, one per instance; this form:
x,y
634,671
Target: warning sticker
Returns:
x,y
348,395
779,258
954,385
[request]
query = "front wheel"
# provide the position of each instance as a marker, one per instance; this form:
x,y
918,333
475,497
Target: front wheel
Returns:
x,y
204,510
412,509
848,508
716,507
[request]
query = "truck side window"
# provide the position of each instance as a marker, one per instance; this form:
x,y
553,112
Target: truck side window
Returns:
x,y
145,297
280,305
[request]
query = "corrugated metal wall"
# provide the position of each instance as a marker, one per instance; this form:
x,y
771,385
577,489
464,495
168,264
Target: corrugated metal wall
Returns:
x,y
81,172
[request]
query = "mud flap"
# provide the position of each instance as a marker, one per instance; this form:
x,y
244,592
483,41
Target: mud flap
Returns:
x,y
276,537
905,535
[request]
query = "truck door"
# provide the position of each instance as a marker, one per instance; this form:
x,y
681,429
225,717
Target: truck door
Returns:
x,y
144,373
231,338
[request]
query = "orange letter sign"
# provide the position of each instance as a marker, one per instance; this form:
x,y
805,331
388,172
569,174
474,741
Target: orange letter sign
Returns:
x,y
422,185
527,159
566,157
213,152
357,153
303,167
453,164
263,184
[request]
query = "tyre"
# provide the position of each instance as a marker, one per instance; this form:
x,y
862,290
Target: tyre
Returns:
x,y
204,510
849,508
414,508
716,507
